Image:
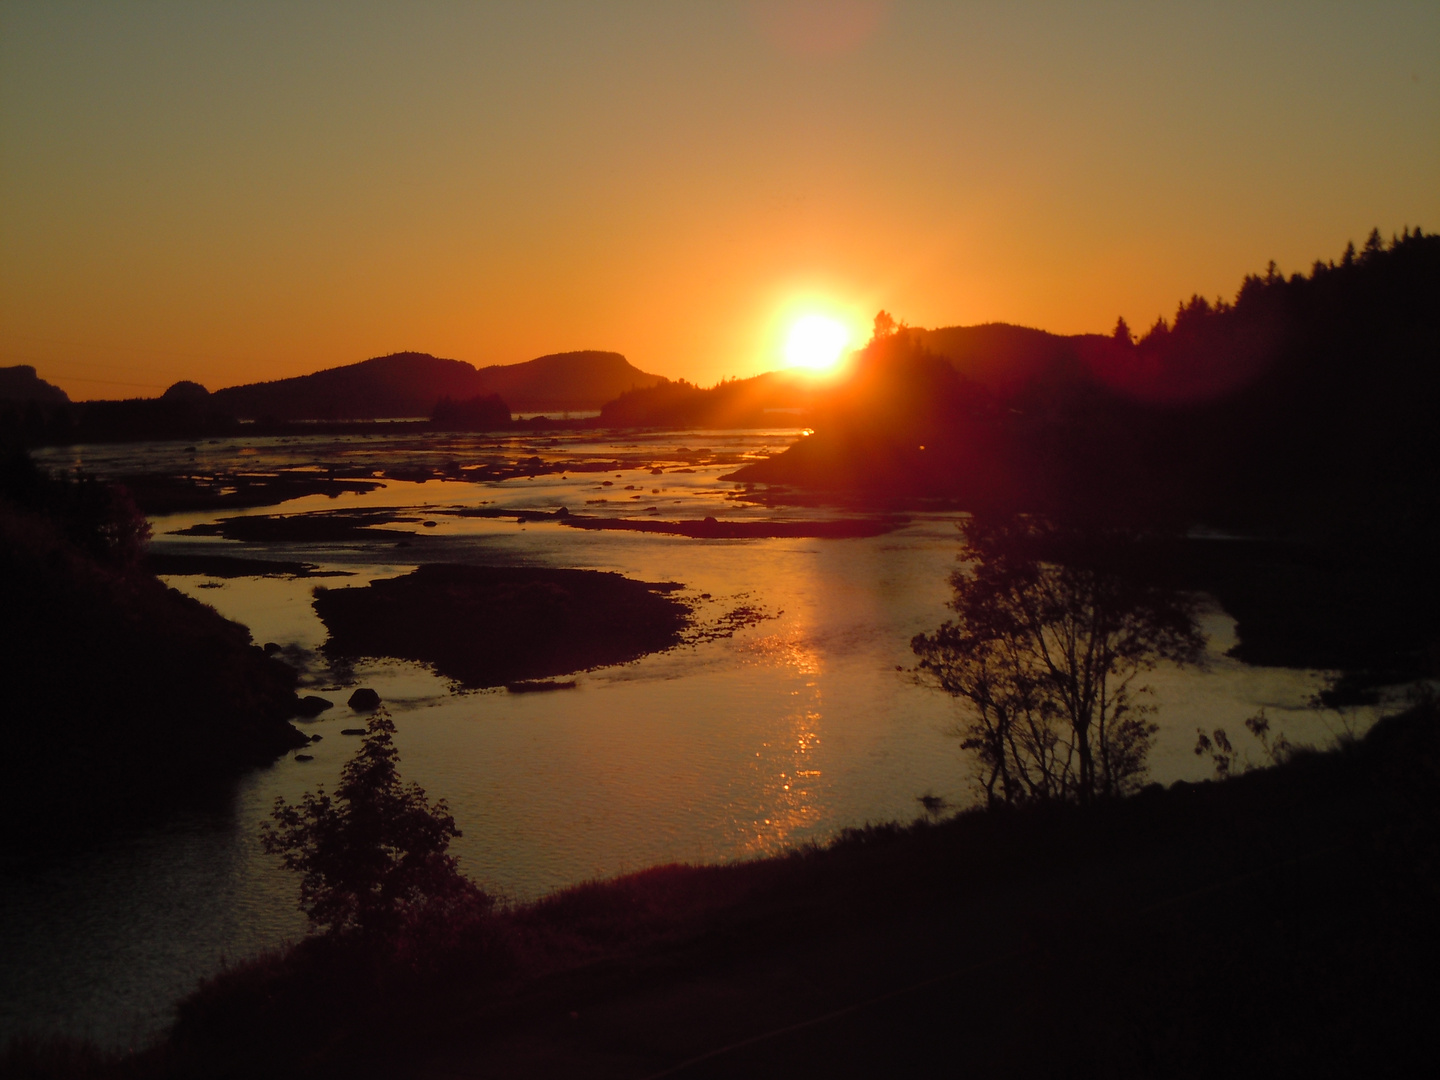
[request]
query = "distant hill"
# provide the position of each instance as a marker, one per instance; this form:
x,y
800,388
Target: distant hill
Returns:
x,y
410,384
774,398
20,383
578,381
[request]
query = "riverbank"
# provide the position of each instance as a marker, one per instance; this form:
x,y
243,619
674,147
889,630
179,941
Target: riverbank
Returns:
x,y
125,699
1277,921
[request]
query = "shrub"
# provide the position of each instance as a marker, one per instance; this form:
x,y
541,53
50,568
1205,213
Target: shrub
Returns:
x,y
373,857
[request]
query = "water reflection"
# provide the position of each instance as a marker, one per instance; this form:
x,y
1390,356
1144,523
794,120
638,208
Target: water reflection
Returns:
x,y
792,729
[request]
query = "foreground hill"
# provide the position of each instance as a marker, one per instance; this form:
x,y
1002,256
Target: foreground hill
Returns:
x,y
411,384
123,697
1304,404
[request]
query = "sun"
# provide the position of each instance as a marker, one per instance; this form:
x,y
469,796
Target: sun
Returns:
x,y
816,343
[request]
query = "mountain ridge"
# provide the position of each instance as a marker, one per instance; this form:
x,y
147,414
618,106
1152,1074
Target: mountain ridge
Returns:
x,y
412,383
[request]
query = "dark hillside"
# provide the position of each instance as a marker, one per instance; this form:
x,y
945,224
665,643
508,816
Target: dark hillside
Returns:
x,y
1306,404
404,384
1006,359
122,696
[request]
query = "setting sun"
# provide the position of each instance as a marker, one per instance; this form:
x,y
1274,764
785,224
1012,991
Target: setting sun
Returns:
x,y
816,343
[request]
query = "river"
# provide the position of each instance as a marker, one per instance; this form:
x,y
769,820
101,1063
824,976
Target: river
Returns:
x,y
806,720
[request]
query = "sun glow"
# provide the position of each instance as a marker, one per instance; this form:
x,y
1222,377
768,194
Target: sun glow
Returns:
x,y
816,343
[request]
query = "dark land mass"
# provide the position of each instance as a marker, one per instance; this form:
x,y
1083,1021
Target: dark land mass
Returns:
x,y
562,382
443,395
1306,404
483,412
412,384
714,529
1279,923
1297,603
20,383
231,566
776,398
316,527
66,423
493,625
168,494
124,698
1369,614
1303,411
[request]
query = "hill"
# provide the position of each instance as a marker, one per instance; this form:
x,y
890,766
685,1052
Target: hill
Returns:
x,y
124,698
20,383
1004,358
410,384
1306,404
773,398
560,382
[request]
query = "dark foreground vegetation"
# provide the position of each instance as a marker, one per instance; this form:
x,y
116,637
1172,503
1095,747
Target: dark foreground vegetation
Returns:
x,y
1280,922
122,696
492,625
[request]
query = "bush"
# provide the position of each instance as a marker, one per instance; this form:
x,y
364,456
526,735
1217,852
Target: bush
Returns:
x,y
374,855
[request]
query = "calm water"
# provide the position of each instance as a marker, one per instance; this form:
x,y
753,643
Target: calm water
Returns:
x,y
795,727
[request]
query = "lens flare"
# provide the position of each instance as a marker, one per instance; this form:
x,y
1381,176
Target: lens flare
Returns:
x,y
816,343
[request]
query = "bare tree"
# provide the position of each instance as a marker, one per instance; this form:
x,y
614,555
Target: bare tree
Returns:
x,y
1050,635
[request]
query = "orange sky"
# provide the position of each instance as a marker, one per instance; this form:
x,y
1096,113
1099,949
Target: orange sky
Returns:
x,y
248,191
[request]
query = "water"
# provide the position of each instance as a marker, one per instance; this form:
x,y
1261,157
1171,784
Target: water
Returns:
x,y
794,728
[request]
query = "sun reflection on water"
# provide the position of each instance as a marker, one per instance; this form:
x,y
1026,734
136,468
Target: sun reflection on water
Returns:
x,y
789,765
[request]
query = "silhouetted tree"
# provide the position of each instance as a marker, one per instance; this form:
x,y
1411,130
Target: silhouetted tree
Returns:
x,y
1044,654
374,856
100,519
1122,332
885,325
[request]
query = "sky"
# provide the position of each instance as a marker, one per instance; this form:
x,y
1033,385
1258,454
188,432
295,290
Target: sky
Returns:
x,y
232,192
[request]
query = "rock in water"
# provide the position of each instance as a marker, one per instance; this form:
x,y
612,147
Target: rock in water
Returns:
x,y
364,700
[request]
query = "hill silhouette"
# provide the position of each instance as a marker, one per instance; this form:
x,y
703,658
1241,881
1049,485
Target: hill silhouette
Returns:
x,y
20,383
1305,404
411,384
773,398
124,697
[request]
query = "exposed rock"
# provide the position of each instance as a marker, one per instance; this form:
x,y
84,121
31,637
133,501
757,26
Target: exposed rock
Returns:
x,y
312,706
364,700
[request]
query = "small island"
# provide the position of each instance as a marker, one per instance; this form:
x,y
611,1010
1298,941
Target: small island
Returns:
x,y
495,625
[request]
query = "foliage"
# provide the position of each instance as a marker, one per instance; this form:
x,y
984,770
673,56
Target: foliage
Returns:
x,y
1228,760
374,855
100,519
1044,655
